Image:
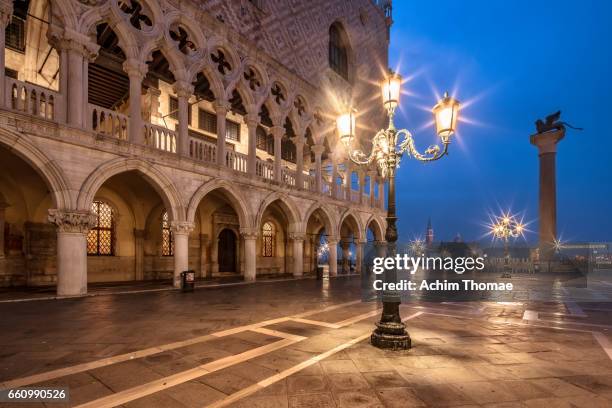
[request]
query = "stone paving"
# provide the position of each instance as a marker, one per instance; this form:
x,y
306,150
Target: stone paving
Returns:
x,y
305,344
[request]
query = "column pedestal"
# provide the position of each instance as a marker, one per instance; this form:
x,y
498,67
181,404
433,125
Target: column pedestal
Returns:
x,y
298,254
250,255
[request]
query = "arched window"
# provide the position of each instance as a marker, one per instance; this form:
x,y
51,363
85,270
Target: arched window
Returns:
x,y
167,236
101,238
269,239
338,52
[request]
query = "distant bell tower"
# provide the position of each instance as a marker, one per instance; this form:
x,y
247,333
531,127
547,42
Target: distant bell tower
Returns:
x,y
429,236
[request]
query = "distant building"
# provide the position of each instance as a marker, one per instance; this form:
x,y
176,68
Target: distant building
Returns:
x,y
429,235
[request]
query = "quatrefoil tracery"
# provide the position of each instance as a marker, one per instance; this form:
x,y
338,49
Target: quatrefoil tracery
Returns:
x,y
223,64
181,36
137,16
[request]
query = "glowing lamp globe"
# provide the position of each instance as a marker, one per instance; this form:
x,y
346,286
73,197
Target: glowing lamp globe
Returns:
x,y
346,127
445,114
391,88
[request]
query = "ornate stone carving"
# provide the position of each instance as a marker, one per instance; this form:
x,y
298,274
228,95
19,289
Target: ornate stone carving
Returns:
x,y
72,221
248,233
182,227
297,236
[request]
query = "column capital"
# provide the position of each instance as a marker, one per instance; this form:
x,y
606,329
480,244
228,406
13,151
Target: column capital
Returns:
x,y
72,221
297,236
318,149
70,40
135,68
6,10
182,227
249,233
140,233
277,131
221,107
546,142
182,89
299,141
332,240
372,173
251,119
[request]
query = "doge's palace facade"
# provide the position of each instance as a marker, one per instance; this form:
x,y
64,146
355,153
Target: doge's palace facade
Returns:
x,y
142,138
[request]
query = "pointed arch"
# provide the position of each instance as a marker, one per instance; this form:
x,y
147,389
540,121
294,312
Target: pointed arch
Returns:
x,y
158,180
287,205
231,193
378,228
330,221
359,230
49,171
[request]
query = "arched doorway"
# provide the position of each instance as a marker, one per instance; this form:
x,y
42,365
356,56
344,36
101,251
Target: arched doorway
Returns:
x,y
226,251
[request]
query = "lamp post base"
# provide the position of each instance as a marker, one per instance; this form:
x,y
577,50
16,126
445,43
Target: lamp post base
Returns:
x,y
391,335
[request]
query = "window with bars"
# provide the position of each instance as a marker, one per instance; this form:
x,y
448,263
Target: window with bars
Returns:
x,y
167,236
173,109
15,34
269,238
101,238
338,54
207,121
288,151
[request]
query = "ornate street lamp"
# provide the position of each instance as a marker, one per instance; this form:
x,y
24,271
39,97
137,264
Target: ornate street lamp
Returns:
x,y
388,146
504,228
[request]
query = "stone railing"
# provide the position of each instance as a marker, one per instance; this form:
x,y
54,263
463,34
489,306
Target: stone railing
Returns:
x,y
202,151
160,137
288,177
326,187
264,169
236,161
31,99
108,122
309,182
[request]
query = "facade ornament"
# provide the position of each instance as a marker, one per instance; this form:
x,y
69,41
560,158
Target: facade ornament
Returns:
x,y
72,221
182,227
183,89
297,236
249,233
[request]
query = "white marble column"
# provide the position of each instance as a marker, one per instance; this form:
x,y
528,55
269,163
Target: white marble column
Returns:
x,y
3,207
359,256
183,92
250,255
136,72
347,180
180,232
221,108
278,133
252,120
72,228
299,161
298,253
381,193
6,9
334,184
372,174
318,151
333,256
361,175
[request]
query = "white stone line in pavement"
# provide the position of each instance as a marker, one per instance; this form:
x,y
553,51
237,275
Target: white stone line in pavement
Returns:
x,y
317,323
530,315
230,399
62,372
152,387
276,333
149,388
604,343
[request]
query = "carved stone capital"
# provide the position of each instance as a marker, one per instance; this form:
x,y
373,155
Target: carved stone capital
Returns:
x,y
139,234
277,131
71,41
6,10
72,221
221,107
297,236
135,68
183,89
248,233
252,120
318,149
182,227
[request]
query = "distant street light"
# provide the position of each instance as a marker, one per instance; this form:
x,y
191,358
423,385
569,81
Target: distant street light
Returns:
x,y
390,332
505,227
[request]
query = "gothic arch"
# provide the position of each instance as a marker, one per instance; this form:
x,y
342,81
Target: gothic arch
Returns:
x,y
330,222
99,15
233,195
377,228
360,230
65,11
48,170
287,205
158,180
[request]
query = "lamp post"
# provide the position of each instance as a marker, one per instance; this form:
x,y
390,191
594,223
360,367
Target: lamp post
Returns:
x,y
387,150
506,227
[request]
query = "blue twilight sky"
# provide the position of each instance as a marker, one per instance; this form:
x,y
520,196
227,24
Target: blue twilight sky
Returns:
x,y
514,62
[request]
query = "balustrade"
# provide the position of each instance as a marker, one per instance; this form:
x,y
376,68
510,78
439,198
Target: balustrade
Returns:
x,y
160,137
108,122
202,151
288,176
264,169
236,161
31,99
